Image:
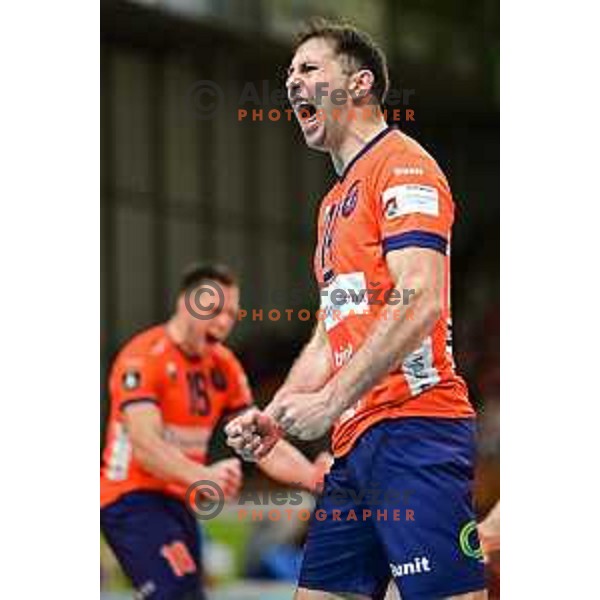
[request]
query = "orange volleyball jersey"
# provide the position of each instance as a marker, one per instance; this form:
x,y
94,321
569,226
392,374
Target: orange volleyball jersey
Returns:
x,y
192,393
391,196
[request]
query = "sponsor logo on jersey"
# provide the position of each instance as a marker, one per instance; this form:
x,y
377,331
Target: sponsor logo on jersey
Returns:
x,y
408,171
469,542
408,199
419,368
352,286
131,380
342,356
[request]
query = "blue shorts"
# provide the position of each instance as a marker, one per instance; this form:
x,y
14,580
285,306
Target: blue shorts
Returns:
x,y
398,505
156,541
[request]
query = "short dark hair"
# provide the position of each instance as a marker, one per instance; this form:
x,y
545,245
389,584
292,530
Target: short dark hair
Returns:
x,y
198,272
353,43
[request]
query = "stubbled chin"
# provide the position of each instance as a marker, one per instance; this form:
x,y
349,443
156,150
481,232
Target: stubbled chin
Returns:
x,y
314,137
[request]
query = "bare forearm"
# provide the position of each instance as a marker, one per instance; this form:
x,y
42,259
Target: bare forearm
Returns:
x,y
312,368
288,465
166,461
309,414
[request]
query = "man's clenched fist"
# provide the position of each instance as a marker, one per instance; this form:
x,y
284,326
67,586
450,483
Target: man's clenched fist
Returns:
x,y
227,474
253,434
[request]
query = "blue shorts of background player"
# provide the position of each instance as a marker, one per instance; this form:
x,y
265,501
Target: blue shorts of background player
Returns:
x,y
156,540
423,465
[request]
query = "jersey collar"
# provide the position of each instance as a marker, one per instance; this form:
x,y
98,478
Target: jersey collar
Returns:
x,y
372,142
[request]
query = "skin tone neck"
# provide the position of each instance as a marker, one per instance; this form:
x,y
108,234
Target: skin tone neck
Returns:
x,y
182,335
353,138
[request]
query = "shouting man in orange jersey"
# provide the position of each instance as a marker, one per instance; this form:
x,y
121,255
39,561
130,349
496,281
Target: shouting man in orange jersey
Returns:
x,y
379,367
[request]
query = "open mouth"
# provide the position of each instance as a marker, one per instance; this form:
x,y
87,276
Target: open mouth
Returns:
x,y
307,113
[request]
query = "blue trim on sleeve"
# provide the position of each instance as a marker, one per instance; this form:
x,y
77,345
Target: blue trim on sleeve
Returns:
x,y
418,239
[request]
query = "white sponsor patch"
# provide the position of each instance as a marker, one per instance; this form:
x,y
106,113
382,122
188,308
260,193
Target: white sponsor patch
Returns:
x,y
347,294
410,198
120,454
419,368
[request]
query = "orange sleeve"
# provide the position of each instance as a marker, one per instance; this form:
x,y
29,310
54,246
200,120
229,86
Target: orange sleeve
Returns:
x,y
133,380
413,206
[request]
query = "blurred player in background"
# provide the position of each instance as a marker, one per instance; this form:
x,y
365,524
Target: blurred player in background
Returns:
x,y
169,388
382,372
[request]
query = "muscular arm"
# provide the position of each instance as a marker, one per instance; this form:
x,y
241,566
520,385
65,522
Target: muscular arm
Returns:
x,y
308,415
392,339
254,434
312,368
288,465
157,456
